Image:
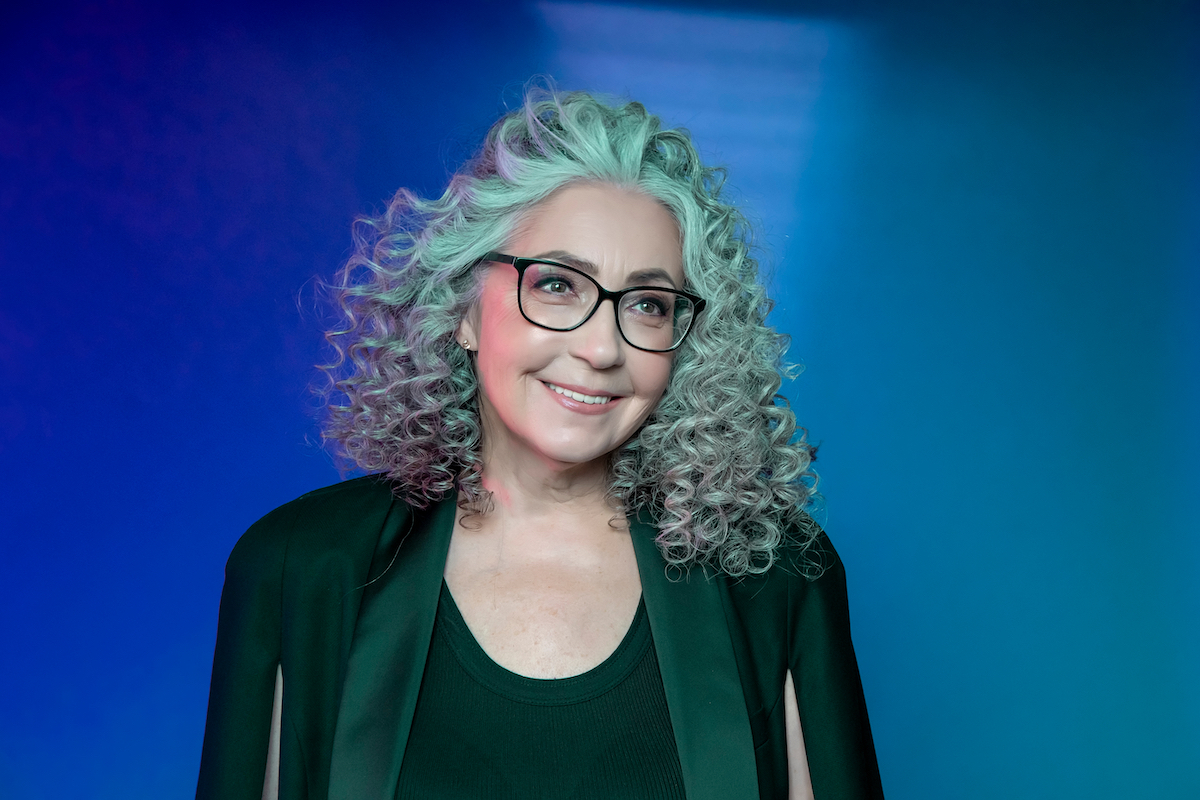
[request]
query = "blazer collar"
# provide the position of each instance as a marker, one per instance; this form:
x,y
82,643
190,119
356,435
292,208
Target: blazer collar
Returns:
x,y
395,625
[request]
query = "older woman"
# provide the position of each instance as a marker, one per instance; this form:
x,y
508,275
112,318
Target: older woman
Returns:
x,y
582,567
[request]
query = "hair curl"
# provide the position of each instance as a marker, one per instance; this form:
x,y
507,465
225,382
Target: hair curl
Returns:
x,y
721,459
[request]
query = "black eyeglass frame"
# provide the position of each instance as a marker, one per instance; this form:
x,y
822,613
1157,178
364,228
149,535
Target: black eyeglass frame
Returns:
x,y
522,264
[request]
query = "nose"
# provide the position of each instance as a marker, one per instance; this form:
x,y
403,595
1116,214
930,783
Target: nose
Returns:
x,y
598,341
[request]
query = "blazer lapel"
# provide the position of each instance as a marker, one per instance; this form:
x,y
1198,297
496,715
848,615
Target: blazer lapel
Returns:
x,y
387,656
699,673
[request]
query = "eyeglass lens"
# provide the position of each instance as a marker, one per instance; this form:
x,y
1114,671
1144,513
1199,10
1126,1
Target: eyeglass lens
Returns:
x,y
561,298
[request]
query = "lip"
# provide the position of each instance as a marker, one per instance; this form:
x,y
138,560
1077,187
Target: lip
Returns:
x,y
580,407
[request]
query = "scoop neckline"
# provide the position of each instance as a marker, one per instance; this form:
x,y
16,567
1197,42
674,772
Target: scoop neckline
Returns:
x,y
542,691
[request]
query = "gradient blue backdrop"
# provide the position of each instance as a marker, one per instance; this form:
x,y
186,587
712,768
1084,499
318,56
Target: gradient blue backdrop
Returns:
x,y
982,225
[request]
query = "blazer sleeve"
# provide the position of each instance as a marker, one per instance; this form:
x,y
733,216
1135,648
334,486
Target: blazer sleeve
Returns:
x,y
234,756
833,710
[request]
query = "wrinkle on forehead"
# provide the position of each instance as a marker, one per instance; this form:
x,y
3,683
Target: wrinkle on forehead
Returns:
x,y
530,217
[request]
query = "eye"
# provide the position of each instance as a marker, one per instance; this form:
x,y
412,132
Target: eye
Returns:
x,y
649,306
551,282
554,285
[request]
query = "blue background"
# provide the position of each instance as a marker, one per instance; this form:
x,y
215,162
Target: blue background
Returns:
x,y
981,221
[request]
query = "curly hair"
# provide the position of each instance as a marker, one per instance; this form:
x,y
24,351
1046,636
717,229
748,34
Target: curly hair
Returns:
x,y
721,460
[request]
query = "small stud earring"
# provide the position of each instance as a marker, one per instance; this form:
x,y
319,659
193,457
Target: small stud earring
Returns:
x,y
466,345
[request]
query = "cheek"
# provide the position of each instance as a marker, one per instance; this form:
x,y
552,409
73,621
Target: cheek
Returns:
x,y
653,374
500,329
497,305
509,347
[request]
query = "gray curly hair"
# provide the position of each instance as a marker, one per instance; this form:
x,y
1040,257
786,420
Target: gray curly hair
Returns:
x,y
721,461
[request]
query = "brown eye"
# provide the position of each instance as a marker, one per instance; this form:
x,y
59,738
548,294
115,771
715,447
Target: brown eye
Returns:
x,y
554,286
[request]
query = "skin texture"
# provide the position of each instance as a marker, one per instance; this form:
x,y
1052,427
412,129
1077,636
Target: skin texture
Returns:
x,y
547,580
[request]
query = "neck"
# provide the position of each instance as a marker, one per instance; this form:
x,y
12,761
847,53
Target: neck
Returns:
x,y
526,486
546,516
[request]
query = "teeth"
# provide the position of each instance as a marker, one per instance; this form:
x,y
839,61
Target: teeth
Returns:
x,y
582,398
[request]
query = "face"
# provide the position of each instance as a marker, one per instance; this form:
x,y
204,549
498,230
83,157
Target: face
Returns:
x,y
531,379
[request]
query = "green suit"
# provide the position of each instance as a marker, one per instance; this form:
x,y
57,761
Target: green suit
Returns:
x,y
340,587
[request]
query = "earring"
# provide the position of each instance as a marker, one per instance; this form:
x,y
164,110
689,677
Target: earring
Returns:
x,y
466,345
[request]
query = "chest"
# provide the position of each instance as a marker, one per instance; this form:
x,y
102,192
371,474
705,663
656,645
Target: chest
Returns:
x,y
481,731
545,612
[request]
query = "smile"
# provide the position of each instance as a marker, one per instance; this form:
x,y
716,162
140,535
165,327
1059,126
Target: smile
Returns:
x,y
581,398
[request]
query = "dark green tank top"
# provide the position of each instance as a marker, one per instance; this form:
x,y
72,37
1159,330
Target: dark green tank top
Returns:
x,y
481,731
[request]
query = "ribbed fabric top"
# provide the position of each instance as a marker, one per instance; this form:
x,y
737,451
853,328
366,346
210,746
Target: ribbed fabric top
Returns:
x,y
481,731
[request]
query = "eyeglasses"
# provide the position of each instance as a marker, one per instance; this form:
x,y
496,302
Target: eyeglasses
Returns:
x,y
561,298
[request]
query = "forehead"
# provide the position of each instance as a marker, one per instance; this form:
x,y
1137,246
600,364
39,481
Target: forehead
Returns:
x,y
621,231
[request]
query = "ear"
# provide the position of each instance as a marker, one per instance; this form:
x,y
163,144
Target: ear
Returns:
x,y
467,332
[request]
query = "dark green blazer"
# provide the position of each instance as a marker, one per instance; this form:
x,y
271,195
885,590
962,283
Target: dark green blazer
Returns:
x,y
340,588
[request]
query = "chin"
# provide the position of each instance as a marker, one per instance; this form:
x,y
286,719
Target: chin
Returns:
x,y
574,454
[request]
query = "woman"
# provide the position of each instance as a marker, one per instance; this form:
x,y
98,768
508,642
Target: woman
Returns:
x,y
582,568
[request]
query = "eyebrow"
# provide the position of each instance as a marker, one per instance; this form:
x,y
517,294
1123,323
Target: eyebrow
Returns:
x,y
635,278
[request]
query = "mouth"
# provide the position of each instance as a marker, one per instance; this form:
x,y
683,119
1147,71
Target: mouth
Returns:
x,y
580,397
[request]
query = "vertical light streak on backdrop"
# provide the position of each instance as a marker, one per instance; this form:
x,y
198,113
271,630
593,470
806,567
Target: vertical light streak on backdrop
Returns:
x,y
744,85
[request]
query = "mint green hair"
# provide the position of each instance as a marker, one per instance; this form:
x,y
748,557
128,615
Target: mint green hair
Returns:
x,y
720,463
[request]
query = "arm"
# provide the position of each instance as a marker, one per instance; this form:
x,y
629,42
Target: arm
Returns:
x,y
799,781
837,734
245,667
271,779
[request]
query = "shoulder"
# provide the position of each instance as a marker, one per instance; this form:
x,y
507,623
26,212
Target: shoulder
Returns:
x,y
343,518
798,606
811,561
804,557
806,578
815,574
